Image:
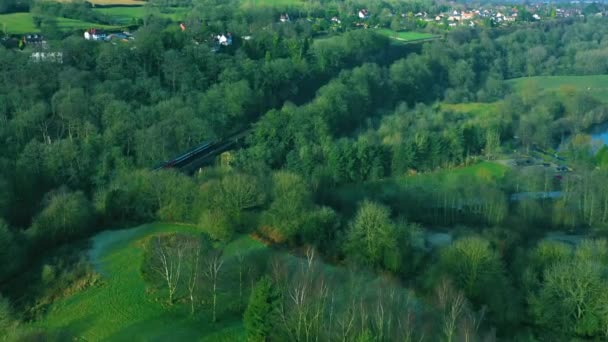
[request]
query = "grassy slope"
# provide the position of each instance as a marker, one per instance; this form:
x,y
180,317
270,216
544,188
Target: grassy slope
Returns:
x,y
596,85
123,15
350,194
21,23
120,309
404,35
478,109
252,3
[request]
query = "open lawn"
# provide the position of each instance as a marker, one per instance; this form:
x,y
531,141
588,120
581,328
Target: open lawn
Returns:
x,y
595,85
405,36
124,15
478,109
117,2
392,190
22,23
120,309
270,3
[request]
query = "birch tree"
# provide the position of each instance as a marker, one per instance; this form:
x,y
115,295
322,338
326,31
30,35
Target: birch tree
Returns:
x,y
168,257
211,270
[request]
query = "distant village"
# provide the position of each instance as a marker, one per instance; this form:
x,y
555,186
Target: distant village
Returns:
x,y
458,15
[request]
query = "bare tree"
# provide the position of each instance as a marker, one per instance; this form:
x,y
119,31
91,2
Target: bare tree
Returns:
x,y
168,252
212,271
194,279
452,304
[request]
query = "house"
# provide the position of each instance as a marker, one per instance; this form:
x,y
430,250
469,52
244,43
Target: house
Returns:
x,y
284,18
93,34
224,39
53,57
34,39
336,20
536,16
363,14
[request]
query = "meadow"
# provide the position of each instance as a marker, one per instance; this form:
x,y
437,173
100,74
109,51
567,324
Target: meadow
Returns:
x,y
394,188
271,3
405,36
477,109
117,2
23,23
594,85
124,15
121,308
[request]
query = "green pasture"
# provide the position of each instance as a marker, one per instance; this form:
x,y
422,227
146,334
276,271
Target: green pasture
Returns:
x,y
349,195
405,36
120,309
594,85
22,23
477,109
124,15
271,3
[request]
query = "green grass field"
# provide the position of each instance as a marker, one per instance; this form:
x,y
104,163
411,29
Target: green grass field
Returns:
x,y
478,109
485,170
271,3
124,15
22,23
349,195
404,36
120,309
595,85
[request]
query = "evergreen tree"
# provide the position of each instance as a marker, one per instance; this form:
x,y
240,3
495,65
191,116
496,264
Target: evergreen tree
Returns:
x,y
261,311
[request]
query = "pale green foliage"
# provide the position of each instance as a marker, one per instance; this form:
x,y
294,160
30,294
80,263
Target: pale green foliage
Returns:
x,y
218,224
472,263
573,294
67,215
372,238
291,201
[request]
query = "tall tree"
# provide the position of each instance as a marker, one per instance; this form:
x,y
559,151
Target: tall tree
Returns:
x,y
261,312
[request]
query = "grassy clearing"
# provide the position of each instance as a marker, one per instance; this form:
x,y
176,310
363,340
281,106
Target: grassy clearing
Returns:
x,y
348,196
405,36
22,23
120,309
477,109
595,85
485,170
124,15
117,2
271,3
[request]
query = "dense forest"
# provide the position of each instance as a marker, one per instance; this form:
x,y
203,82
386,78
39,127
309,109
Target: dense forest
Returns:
x,y
355,150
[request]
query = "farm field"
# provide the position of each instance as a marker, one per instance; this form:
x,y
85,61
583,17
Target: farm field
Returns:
x,y
120,309
595,85
124,15
22,23
405,36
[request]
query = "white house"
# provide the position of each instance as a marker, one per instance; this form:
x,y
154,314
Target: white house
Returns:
x,y
363,14
54,57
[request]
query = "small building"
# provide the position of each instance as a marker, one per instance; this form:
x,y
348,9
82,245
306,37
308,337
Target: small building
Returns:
x,y
52,57
363,14
284,18
94,34
33,39
224,39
